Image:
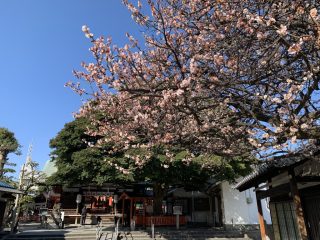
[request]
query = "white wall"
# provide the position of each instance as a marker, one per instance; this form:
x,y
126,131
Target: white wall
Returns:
x,y
235,208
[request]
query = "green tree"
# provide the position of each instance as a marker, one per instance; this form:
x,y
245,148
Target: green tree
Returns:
x,y
78,162
29,181
8,144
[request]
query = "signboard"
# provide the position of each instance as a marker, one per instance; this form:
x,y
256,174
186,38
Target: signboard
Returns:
x,y
149,209
96,193
177,210
71,189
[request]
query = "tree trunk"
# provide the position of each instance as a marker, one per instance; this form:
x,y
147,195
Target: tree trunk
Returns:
x,y
2,162
15,220
159,192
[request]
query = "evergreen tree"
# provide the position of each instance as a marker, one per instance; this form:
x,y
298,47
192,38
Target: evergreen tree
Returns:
x,y
8,144
80,161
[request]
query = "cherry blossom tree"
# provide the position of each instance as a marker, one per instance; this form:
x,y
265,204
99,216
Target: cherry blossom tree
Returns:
x,y
216,77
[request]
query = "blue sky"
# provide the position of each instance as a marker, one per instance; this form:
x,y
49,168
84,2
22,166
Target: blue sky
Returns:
x,y
41,42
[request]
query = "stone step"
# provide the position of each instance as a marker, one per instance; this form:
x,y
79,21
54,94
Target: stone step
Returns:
x,y
88,232
51,237
110,237
123,235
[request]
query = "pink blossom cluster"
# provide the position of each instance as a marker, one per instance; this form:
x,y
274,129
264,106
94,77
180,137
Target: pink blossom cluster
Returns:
x,y
219,77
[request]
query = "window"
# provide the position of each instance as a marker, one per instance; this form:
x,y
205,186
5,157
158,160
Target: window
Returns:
x,y
284,220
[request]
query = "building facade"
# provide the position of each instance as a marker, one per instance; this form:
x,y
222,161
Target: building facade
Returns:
x,y
292,183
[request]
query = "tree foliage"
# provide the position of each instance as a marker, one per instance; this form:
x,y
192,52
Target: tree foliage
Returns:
x,y
79,161
216,77
29,181
8,144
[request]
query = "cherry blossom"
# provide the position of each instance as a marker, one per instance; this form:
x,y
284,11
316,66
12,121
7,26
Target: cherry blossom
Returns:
x,y
282,31
216,77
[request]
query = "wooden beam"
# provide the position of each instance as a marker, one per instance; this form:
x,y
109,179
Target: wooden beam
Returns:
x,y
273,191
308,179
298,207
262,187
261,220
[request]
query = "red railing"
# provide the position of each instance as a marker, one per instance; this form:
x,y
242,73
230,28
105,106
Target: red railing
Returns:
x,y
67,212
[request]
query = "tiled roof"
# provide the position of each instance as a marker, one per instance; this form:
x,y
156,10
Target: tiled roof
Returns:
x,y
50,168
270,168
6,185
7,188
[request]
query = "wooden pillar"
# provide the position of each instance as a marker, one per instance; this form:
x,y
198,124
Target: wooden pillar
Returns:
x,y
298,206
261,220
144,213
131,208
123,211
210,222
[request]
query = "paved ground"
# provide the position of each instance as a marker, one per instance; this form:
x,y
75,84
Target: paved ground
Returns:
x,y
33,231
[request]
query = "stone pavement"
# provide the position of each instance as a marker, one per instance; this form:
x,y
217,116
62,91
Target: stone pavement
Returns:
x,y
88,232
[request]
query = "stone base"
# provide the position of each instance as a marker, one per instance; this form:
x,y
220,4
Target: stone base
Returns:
x,y
251,230
241,227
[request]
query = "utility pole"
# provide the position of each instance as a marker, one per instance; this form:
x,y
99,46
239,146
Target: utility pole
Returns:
x,y
16,209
